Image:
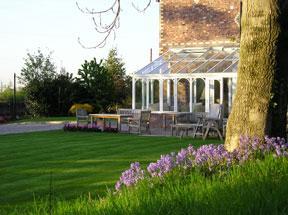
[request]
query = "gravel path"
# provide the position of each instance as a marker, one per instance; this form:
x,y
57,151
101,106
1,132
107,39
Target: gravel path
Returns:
x,y
15,128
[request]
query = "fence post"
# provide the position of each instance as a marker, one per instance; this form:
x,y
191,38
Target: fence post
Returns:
x,y
14,98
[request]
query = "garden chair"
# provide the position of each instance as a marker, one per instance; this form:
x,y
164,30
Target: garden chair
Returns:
x,y
181,122
198,107
213,121
125,111
186,122
140,121
81,115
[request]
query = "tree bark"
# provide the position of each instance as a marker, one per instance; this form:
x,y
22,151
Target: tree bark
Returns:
x,y
260,104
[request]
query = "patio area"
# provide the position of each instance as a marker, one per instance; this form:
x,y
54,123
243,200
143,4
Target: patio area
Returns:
x,y
157,123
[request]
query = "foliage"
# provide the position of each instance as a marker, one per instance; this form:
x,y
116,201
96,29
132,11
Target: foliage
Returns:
x,y
87,107
50,96
63,86
37,66
7,95
103,85
47,93
252,188
208,159
121,82
97,82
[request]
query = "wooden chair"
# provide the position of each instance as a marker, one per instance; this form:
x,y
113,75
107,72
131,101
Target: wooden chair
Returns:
x,y
142,121
81,115
125,111
198,108
198,126
213,121
181,122
191,121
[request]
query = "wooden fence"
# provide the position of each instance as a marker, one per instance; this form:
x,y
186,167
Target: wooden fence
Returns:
x,y
7,109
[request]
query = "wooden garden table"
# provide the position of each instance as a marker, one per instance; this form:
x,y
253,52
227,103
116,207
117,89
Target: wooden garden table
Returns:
x,y
105,116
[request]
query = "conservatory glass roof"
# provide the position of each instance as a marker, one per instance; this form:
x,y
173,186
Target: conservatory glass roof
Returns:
x,y
193,62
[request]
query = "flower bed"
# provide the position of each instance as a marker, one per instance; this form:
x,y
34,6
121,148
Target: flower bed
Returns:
x,y
86,128
208,159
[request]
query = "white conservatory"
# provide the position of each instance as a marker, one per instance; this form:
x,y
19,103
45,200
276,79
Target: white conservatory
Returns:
x,y
186,78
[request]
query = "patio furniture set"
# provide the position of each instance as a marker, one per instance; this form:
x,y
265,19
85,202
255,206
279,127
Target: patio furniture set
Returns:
x,y
199,123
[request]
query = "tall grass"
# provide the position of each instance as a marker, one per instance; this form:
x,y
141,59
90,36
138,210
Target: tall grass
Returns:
x,y
257,187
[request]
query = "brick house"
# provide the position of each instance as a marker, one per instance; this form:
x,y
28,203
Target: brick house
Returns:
x,y
187,23
199,56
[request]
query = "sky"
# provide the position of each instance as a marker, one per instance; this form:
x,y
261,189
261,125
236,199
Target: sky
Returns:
x,y
55,25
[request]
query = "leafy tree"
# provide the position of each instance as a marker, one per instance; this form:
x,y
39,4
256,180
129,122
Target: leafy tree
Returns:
x,y
38,71
37,66
96,83
121,82
63,89
260,104
47,93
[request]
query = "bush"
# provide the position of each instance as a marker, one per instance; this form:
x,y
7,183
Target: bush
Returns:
x,y
87,107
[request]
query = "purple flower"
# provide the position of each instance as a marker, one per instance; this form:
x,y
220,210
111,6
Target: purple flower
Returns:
x,y
152,169
165,164
118,185
131,176
181,157
77,127
207,158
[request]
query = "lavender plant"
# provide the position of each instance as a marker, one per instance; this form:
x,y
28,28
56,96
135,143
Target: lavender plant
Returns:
x,y
208,159
130,176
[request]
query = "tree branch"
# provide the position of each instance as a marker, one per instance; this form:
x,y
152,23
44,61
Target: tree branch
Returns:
x,y
109,28
144,9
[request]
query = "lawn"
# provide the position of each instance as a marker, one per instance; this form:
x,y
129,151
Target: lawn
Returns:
x,y
78,163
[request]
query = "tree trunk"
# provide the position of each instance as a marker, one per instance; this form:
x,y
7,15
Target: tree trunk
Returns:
x,y
260,104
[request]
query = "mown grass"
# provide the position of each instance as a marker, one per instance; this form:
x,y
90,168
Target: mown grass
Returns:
x,y
80,163
258,187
